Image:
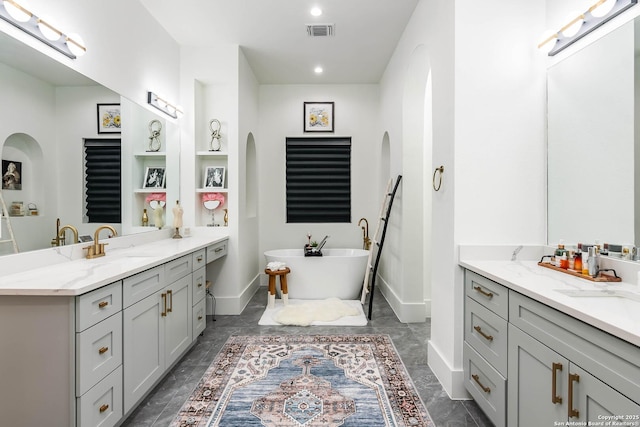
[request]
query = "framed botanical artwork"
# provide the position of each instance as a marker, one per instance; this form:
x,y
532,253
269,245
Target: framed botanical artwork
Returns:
x,y
11,175
318,116
154,177
109,118
214,177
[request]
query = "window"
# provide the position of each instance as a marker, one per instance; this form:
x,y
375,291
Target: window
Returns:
x,y
318,180
102,180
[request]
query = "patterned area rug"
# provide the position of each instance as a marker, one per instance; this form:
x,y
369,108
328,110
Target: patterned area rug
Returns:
x,y
305,380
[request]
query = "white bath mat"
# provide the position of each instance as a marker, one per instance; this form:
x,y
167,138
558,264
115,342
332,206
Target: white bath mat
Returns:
x,y
328,312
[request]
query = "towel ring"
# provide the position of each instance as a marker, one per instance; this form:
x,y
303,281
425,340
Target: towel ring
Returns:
x,y
441,170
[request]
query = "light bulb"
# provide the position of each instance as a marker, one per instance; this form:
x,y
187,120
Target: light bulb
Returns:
x,y
316,11
575,20
318,70
76,45
16,11
48,30
602,8
547,41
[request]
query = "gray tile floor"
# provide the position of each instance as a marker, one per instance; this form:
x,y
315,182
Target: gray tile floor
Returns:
x,y
164,402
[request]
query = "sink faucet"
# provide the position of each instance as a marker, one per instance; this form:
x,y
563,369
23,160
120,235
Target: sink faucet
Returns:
x,y
366,245
97,249
61,234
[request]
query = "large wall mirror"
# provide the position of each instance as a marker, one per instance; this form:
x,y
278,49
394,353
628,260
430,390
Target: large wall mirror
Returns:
x,y
48,113
593,163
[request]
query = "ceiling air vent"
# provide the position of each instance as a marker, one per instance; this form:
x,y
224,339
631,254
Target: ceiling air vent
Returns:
x,y
320,30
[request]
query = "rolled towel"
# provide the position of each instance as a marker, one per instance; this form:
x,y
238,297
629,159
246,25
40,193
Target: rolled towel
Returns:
x,y
276,265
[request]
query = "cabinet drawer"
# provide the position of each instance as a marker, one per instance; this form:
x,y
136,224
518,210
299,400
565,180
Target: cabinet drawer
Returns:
x,y
199,259
486,385
97,305
490,294
487,333
199,318
216,251
141,285
102,405
199,284
178,268
98,352
612,360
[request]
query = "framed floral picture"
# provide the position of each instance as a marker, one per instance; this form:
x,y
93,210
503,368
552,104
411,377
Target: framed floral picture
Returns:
x,y
109,118
318,116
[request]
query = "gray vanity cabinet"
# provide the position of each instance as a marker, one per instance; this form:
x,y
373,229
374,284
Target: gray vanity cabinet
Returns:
x,y
558,369
561,369
157,327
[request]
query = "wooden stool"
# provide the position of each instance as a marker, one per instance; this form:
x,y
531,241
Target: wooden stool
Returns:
x,y
272,286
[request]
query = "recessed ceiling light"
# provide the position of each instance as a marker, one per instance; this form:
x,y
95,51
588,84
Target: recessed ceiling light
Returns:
x,y
318,70
316,11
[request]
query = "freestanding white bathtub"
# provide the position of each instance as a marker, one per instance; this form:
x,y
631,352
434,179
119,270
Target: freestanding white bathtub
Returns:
x,y
338,273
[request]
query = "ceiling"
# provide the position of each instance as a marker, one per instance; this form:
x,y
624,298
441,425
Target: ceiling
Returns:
x,y
273,35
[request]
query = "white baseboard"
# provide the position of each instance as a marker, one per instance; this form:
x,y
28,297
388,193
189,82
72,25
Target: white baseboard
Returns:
x,y
452,380
406,312
235,304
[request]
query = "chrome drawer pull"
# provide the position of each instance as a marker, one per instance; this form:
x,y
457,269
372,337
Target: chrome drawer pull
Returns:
x,y
477,379
483,292
103,304
479,330
104,408
103,350
555,367
572,412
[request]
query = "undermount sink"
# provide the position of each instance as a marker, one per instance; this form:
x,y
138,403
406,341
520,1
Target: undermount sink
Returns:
x,y
613,298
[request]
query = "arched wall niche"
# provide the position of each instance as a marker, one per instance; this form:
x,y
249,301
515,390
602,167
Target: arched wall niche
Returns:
x,y
252,177
385,163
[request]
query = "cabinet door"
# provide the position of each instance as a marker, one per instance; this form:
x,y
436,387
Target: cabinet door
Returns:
x,y
179,322
537,382
143,332
592,400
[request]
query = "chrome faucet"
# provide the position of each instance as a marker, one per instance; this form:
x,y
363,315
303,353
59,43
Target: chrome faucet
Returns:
x,y
62,237
97,249
366,245
322,243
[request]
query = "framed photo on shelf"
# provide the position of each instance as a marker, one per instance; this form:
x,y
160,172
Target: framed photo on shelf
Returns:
x,y
154,177
109,118
214,177
11,175
318,116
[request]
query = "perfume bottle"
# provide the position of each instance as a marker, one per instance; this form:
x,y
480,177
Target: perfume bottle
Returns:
x,y
145,218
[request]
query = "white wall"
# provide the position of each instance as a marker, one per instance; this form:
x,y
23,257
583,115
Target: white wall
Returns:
x,y
488,132
356,116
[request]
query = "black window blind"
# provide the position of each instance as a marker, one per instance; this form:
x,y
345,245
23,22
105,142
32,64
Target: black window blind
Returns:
x,y
318,180
102,180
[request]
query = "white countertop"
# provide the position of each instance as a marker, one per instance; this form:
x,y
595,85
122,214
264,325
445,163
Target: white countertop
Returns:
x,y
78,276
615,315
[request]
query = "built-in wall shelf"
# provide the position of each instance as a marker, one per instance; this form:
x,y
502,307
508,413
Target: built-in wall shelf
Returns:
x,y
150,154
212,153
149,190
212,190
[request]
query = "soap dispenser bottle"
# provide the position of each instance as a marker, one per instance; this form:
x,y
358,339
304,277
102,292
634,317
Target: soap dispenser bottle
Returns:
x,y
577,261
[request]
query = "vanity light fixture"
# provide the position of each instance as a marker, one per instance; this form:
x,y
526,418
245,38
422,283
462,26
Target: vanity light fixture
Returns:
x,y
23,19
584,23
163,105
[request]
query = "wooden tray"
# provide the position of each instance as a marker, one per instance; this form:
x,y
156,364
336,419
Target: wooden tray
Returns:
x,y
601,277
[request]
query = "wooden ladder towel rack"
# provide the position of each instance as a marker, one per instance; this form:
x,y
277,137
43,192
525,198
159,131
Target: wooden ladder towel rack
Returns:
x,y
4,215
